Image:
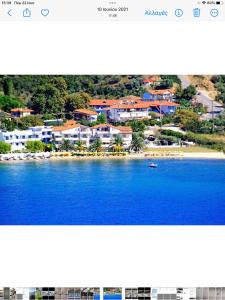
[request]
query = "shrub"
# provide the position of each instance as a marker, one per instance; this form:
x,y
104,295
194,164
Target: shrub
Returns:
x,y
4,148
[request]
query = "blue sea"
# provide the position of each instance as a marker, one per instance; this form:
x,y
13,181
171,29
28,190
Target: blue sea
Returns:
x,y
113,192
112,297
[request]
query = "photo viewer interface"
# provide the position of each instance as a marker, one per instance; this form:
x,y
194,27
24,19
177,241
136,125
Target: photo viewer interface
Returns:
x,y
112,122
124,10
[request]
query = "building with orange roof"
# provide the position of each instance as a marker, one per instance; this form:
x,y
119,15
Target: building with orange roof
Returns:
x,y
21,112
73,132
108,132
99,105
85,114
102,105
159,95
150,81
126,112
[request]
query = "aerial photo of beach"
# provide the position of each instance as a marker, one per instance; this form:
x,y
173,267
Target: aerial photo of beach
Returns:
x,y
112,150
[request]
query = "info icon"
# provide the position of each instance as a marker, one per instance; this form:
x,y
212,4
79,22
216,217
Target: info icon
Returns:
x,y
179,12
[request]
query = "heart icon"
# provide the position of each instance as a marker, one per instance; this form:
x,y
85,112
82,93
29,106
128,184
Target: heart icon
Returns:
x,y
45,12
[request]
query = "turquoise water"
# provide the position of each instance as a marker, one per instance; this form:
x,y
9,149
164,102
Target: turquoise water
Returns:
x,y
113,192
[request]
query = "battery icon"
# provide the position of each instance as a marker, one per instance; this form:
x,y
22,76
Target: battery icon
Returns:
x,y
218,2
196,12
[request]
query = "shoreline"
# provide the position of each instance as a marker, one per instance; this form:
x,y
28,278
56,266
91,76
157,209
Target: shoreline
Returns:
x,y
144,155
186,155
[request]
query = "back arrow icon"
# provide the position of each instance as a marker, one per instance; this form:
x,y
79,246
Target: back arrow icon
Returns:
x,y
10,13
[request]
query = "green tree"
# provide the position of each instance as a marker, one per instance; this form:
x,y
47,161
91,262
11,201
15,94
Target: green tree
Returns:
x,y
188,120
137,126
7,124
29,121
7,103
4,148
117,143
35,146
7,86
137,143
80,146
47,99
101,119
96,145
189,92
76,101
66,145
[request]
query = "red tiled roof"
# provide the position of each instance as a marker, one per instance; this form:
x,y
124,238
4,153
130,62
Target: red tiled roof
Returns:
x,y
122,129
70,122
21,110
132,106
102,125
63,128
125,129
103,102
68,125
163,103
148,80
85,112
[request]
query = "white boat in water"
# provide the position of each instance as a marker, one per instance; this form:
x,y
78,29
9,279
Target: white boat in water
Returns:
x,y
153,165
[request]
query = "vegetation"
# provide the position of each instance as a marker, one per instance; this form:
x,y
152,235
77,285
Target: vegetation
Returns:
x,y
80,146
137,143
28,121
117,144
4,148
66,146
101,119
188,120
204,140
187,93
211,141
96,145
137,126
7,103
219,82
7,124
35,146
76,101
168,81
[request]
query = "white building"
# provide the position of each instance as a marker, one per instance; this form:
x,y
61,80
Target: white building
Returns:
x,y
18,138
107,133
73,133
125,112
69,131
159,95
21,112
85,114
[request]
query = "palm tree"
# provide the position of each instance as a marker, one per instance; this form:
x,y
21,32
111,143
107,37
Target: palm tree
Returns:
x,y
96,145
117,143
80,146
137,143
66,145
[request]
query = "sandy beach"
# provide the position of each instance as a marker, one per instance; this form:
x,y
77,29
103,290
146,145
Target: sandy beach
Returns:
x,y
154,154
144,155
